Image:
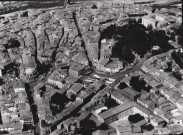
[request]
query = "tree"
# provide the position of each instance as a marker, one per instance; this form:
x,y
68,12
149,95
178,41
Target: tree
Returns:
x,y
137,83
180,40
13,43
154,9
135,118
159,37
94,6
172,36
139,20
149,27
129,39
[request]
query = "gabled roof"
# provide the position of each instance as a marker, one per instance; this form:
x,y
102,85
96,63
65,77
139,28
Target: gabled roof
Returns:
x,y
116,110
103,61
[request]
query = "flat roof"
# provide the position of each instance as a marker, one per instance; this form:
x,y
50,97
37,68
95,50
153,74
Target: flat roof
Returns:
x,y
76,87
119,95
130,91
149,18
116,110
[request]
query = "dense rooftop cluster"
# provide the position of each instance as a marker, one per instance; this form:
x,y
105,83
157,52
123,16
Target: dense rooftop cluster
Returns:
x,y
81,70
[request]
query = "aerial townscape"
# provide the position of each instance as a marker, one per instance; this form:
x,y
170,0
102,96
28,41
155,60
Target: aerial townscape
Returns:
x,y
85,67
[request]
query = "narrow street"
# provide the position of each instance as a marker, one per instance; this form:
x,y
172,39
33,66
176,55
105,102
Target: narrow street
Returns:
x,y
76,110
83,43
30,86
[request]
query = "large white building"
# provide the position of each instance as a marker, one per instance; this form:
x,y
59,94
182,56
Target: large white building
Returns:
x,y
146,21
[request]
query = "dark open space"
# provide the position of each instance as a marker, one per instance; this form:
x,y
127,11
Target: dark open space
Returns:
x,y
122,85
12,43
135,118
178,58
147,127
87,126
109,103
57,103
133,39
129,38
31,102
137,83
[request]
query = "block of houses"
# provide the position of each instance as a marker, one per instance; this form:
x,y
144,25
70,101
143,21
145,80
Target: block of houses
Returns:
x,y
168,107
141,123
145,68
146,103
38,86
119,97
130,93
98,85
142,111
64,88
157,121
161,131
55,79
146,21
10,127
99,132
154,83
102,63
71,79
179,103
116,113
5,62
136,129
14,54
160,17
81,58
93,52
98,109
62,73
28,62
178,119
82,96
162,24
74,90
76,69
66,124
114,67
123,129
19,87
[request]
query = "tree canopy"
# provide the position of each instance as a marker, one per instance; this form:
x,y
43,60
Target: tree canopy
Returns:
x,y
133,38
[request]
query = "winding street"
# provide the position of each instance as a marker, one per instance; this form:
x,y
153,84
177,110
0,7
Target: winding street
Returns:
x,y
30,87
